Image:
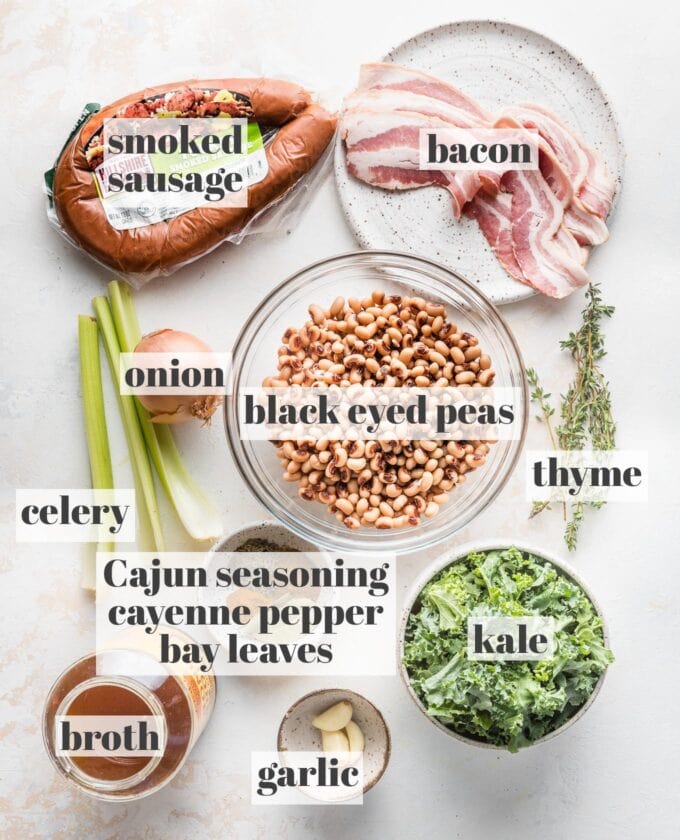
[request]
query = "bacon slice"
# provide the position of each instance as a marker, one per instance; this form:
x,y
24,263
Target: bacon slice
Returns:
x,y
588,228
494,217
593,184
566,240
381,76
388,99
383,150
381,122
542,247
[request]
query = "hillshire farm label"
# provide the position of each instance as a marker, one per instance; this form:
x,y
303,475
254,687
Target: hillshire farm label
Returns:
x,y
155,169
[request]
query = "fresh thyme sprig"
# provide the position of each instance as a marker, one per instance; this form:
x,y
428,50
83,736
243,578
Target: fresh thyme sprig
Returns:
x,y
542,399
586,409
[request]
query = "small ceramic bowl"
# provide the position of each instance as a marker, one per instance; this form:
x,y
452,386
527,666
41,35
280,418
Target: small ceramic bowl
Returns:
x,y
272,532
296,732
263,530
449,559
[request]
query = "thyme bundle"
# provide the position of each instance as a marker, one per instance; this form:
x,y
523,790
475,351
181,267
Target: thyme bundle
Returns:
x,y
586,409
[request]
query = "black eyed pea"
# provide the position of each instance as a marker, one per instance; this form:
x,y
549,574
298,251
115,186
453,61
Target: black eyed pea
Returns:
x,y
458,356
437,476
465,377
431,509
400,502
380,340
426,482
317,313
344,506
473,461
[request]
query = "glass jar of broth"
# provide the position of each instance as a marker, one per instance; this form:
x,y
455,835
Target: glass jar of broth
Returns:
x,y
180,706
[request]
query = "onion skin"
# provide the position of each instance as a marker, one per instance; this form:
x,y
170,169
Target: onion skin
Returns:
x,y
174,408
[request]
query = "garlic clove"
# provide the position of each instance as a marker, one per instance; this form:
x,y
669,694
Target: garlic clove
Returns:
x,y
334,742
335,718
355,736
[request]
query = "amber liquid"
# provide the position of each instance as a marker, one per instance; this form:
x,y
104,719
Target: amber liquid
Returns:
x,y
180,699
110,699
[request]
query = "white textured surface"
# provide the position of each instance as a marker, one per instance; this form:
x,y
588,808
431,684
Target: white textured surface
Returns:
x,y
614,775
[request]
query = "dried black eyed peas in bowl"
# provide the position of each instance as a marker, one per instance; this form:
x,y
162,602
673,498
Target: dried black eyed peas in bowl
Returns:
x,y
390,341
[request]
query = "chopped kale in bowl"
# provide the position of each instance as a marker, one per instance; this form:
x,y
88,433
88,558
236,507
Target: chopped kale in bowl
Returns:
x,y
504,704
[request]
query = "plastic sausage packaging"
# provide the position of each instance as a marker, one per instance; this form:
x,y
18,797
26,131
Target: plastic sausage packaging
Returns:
x,y
293,133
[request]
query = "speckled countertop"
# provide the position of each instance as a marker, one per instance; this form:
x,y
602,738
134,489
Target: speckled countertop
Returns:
x,y
613,774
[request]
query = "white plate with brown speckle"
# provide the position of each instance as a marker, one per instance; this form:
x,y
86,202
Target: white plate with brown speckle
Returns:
x,y
497,64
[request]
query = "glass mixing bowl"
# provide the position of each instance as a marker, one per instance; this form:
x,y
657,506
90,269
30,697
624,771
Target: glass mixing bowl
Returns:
x,y
358,274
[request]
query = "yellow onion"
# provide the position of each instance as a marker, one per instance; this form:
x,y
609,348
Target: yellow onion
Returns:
x,y
176,408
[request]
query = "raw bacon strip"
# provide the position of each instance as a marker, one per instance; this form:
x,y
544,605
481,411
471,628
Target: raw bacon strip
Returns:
x,y
390,89
541,250
386,99
566,240
494,217
379,144
561,141
588,228
393,178
593,184
405,79
553,263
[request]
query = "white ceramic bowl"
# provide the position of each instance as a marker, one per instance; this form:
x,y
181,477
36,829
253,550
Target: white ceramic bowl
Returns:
x,y
296,732
274,533
263,530
449,559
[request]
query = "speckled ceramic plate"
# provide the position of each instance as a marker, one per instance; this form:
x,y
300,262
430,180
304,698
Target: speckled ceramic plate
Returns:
x,y
297,733
497,64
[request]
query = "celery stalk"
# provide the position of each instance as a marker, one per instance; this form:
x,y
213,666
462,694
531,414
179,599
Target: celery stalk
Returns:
x,y
196,512
135,439
101,471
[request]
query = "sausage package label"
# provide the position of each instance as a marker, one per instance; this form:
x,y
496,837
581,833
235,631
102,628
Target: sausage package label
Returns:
x,y
154,169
